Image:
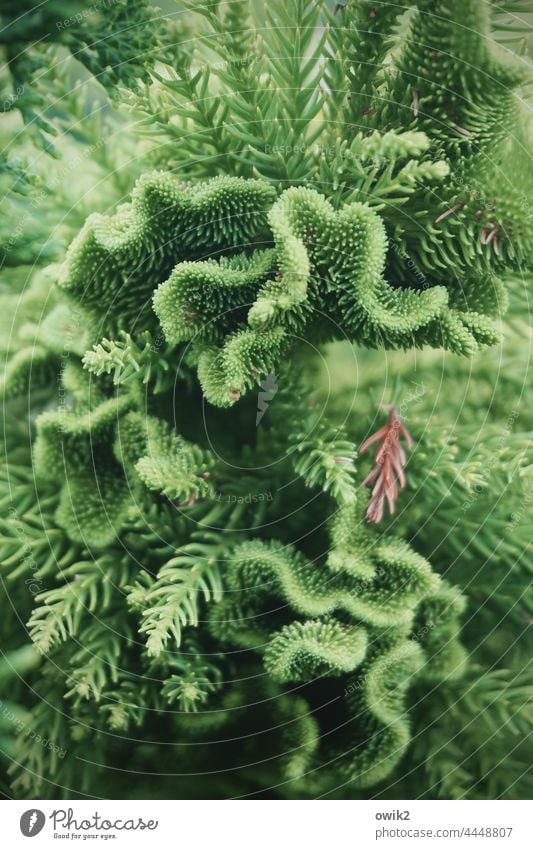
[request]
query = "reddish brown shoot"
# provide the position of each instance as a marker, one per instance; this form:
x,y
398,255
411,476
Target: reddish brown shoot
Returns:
x,y
388,472
487,237
455,208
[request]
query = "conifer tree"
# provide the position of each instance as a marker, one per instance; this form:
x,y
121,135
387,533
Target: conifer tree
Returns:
x,y
266,474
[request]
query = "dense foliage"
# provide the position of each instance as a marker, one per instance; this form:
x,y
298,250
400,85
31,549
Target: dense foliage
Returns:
x,y
266,475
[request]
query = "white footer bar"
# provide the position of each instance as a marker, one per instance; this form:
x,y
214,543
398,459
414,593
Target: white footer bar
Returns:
x,y
266,824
